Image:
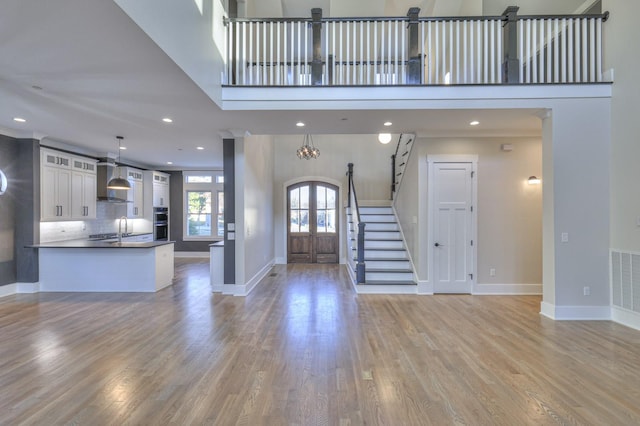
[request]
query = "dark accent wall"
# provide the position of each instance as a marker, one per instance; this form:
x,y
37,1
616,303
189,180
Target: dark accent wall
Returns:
x,y
28,210
19,210
176,216
228,164
9,164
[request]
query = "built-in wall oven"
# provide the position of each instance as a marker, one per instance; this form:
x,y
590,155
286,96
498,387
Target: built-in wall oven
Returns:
x,y
161,224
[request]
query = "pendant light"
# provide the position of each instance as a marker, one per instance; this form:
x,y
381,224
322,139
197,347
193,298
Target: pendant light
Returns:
x,y
119,182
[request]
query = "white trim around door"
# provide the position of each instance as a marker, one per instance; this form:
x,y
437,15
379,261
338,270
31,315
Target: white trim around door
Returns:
x,y
469,162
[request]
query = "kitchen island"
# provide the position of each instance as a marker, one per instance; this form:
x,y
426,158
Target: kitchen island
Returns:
x,y
100,266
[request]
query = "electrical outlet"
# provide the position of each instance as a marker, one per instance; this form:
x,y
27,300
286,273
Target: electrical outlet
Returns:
x,y
587,291
492,272
564,237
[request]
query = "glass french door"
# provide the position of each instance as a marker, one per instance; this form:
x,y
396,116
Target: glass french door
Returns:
x,y
312,232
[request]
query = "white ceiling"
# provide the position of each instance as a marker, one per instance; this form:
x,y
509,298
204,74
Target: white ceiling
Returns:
x,y
100,76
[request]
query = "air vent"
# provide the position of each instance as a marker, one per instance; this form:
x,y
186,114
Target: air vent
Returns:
x,y
625,280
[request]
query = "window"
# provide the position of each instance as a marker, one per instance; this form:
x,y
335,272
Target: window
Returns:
x,y
199,213
220,214
203,205
199,179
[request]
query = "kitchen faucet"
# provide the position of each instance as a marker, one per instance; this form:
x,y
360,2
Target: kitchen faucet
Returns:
x,y
126,226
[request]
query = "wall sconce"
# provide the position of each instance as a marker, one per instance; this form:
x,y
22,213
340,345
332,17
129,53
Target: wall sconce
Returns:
x,y
534,180
3,183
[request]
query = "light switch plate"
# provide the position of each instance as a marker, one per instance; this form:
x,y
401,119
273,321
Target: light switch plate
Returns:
x,y
564,237
231,236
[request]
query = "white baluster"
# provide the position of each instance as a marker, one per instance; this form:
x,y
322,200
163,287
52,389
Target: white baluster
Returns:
x,y
599,49
585,50
465,25
556,49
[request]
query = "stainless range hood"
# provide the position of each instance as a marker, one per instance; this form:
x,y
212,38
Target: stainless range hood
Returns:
x,y
106,170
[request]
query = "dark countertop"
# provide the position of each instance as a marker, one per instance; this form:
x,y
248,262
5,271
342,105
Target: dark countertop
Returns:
x,y
114,235
217,244
101,244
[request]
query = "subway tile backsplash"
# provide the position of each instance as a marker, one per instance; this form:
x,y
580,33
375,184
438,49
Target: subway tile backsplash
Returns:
x,y
106,221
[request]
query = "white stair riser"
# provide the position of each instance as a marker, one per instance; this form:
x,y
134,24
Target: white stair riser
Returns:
x,y
387,264
389,276
381,235
382,254
376,210
377,218
381,227
383,245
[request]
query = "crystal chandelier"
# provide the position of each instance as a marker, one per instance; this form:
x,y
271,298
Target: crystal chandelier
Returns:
x,y
308,150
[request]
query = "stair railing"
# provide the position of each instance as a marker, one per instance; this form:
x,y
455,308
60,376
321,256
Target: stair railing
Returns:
x,y
352,204
399,161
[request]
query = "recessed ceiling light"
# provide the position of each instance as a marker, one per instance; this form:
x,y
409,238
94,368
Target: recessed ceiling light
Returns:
x,y
388,123
169,162
19,120
300,124
200,148
123,148
474,123
167,120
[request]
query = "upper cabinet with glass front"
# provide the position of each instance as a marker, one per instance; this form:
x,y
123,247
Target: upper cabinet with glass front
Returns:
x,y
67,186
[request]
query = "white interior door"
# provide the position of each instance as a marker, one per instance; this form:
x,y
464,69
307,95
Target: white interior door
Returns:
x,y
452,231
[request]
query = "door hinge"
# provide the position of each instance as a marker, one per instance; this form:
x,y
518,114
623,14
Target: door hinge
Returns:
x,y
471,209
471,242
473,173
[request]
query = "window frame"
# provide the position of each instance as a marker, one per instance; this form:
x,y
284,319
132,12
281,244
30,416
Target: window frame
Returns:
x,y
215,189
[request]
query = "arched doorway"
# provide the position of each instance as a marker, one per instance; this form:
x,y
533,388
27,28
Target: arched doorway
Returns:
x,y
312,223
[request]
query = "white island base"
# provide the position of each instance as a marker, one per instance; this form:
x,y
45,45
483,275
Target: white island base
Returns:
x,y
144,269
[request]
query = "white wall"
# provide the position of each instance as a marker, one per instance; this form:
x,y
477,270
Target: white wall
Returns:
x,y
532,7
411,215
372,171
509,209
192,38
619,31
254,229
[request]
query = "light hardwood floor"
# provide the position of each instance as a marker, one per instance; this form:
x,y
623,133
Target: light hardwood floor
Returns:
x,y
304,349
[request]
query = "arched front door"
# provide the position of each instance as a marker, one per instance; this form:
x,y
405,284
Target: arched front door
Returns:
x,y
312,231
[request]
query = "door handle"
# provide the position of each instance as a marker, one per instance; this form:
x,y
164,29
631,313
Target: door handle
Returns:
x,y
437,244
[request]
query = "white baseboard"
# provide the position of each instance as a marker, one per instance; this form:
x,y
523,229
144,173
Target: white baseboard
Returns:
x,y
575,313
245,289
191,254
8,290
280,261
217,288
625,317
507,289
425,288
17,288
28,287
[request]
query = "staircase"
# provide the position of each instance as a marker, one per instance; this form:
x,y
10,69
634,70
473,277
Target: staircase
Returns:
x,y
386,259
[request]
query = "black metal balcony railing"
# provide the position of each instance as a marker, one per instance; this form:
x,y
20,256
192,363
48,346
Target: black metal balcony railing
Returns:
x,y
411,50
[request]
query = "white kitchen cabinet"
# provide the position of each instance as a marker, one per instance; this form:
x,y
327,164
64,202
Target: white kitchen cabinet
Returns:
x,y
67,186
55,186
83,188
160,189
135,196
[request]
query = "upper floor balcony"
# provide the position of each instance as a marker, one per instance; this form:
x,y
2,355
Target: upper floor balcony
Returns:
x,y
414,51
